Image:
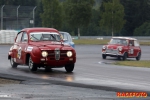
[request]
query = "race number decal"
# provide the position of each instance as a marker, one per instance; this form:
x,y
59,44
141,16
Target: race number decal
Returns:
x,y
131,51
19,52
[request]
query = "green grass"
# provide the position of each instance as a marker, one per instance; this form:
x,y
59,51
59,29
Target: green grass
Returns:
x,y
145,43
90,41
100,42
142,63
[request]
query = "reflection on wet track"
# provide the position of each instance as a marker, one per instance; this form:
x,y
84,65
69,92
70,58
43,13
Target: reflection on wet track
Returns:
x,y
90,68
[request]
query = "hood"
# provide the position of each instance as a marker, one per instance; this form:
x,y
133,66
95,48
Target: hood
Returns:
x,y
113,46
50,45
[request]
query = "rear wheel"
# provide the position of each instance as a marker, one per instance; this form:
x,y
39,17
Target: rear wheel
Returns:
x,y
69,67
125,56
32,65
139,56
13,64
103,56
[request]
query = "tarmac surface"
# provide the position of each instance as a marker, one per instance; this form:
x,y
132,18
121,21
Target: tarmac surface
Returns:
x,y
92,79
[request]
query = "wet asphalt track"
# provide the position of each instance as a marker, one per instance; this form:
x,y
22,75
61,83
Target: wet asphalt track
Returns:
x,y
91,71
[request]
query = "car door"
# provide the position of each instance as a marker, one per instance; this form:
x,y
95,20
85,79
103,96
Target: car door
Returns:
x,y
16,48
23,45
136,48
131,52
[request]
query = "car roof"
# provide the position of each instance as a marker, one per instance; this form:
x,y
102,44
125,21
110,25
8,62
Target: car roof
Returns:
x,y
128,38
63,32
38,29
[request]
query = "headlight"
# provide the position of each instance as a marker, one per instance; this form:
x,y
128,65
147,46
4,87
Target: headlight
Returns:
x,y
120,48
44,53
69,53
104,47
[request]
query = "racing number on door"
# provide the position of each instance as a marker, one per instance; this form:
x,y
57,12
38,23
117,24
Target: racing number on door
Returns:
x,y
131,51
19,53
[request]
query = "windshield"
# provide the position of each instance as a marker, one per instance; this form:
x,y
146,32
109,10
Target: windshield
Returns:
x,y
44,36
118,41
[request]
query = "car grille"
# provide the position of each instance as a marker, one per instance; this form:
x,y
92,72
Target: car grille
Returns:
x,y
57,54
113,51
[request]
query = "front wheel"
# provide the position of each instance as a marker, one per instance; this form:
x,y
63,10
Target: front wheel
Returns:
x,y
32,65
13,64
125,56
69,67
138,57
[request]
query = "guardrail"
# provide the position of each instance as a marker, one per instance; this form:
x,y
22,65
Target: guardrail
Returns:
x,y
8,36
109,37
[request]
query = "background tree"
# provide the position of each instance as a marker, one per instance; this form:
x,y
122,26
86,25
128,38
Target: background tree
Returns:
x,y
143,30
78,13
137,12
38,12
112,17
52,14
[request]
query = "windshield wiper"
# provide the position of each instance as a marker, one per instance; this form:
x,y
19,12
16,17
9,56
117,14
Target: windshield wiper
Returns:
x,y
54,38
34,37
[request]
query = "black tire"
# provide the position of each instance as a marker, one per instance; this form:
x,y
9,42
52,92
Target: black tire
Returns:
x,y
103,56
138,57
119,58
69,67
125,56
12,63
32,65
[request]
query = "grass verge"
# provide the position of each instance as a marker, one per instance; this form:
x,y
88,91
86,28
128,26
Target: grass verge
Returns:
x,y
142,63
90,41
8,81
101,42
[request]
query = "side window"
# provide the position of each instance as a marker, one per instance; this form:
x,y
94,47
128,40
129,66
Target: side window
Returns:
x,y
70,38
65,37
24,37
131,43
18,39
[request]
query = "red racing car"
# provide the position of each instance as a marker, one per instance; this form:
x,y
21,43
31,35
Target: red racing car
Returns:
x,y
122,47
41,47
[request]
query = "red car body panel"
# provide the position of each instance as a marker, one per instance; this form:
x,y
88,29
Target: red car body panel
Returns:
x,y
21,50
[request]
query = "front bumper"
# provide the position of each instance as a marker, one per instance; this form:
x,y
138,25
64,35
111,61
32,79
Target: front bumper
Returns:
x,y
48,61
113,53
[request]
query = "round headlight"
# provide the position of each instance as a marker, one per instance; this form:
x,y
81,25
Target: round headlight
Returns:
x,y
120,48
69,53
104,47
44,54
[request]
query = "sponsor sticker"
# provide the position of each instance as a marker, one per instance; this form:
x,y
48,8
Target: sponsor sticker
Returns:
x,y
29,48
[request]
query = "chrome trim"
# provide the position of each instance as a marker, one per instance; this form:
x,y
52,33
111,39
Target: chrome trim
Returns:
x,y
113,53
57,54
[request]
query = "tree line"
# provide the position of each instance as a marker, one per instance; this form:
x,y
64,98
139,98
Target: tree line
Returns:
x,y
91,17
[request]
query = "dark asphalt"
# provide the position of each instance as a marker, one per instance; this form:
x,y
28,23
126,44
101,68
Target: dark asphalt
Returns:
x,y
90,72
